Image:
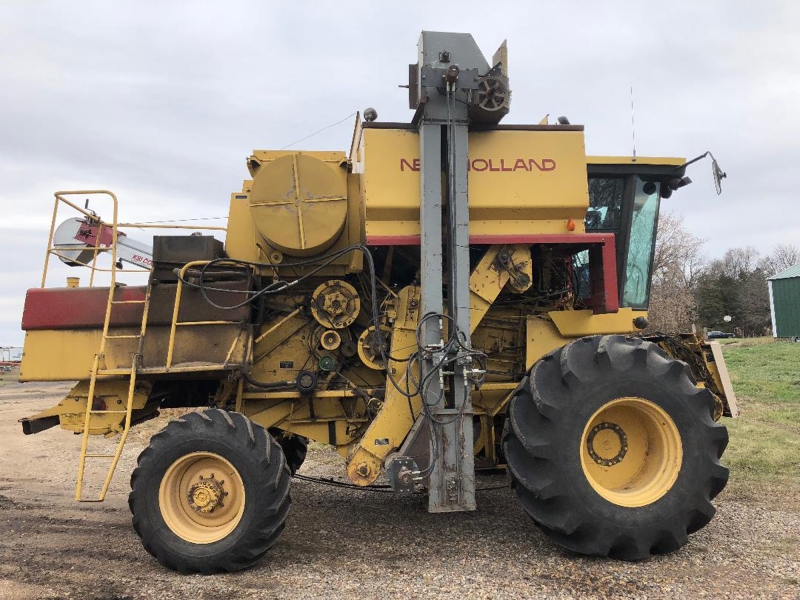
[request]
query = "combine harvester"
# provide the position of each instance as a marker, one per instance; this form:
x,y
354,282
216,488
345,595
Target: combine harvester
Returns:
x,y
452,294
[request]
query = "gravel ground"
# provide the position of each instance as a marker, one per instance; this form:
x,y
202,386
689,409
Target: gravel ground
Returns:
x,y
343,544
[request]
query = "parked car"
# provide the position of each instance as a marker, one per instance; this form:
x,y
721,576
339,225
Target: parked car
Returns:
x,y
714,335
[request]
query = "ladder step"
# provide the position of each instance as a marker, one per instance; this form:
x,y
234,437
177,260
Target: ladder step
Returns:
x,y
124,413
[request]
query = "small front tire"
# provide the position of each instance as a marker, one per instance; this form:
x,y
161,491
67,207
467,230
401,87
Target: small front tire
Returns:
x,y
210,493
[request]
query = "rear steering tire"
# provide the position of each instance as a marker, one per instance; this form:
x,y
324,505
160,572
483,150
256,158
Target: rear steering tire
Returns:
x,y
210,493
612,448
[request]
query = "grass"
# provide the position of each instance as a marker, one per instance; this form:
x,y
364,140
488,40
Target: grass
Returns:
x,y
765,440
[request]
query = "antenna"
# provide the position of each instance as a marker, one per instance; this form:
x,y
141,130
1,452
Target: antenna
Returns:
x,y
633,127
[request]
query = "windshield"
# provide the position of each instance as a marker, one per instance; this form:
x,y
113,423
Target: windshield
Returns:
x,y
615,201
640,247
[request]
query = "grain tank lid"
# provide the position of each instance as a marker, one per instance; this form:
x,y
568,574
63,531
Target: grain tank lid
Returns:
x,y
298,202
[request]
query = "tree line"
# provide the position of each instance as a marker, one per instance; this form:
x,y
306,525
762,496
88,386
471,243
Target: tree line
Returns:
x,y
689,290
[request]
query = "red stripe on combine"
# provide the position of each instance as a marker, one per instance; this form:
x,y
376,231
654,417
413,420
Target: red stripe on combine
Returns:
x,y
80,308
522,238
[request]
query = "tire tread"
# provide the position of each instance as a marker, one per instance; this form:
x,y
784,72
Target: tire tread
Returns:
x,y
532,439
269,475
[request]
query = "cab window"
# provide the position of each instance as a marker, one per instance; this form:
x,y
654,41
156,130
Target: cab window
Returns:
x,y
605,203
641,245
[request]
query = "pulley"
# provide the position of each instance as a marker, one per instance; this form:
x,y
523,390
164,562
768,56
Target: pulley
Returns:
x,y
335,304
369,347
330,339
490,102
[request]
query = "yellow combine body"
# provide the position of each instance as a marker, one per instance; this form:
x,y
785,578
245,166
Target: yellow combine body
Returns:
x,y
361,301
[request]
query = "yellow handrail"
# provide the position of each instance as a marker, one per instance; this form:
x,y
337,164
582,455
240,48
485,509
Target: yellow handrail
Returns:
x,y
59,197
176,310
114,226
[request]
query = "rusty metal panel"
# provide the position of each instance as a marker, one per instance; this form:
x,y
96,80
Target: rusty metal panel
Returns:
x,y
52,355
85,308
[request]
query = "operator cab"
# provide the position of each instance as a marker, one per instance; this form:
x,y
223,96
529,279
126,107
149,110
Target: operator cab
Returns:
x,y
624,199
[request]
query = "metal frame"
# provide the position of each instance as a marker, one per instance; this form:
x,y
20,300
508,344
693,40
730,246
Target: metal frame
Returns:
x,y
447,72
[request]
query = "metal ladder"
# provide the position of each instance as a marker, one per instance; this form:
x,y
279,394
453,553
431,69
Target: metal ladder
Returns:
x,y
98,370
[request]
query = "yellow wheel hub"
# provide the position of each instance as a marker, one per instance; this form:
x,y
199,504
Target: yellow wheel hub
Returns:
x,y
631,452
206,495
201,497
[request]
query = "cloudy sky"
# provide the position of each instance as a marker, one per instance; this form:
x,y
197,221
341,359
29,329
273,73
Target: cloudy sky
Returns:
x,y
161,101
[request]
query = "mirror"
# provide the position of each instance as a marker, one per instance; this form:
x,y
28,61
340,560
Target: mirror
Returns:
x,y
717,173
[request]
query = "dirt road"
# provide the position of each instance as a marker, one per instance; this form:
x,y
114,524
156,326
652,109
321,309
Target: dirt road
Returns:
x,y
345,544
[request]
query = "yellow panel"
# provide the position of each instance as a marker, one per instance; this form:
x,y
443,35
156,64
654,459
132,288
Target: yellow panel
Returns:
x,y
240,243
355,224
522,177
543,337
387,161
520,182
719,372
58,355
294,414
577,323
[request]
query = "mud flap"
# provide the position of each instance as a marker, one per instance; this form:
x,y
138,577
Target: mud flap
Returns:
x,y
719,371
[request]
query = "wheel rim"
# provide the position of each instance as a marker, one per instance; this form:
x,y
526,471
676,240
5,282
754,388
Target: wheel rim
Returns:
x,y
201,497
631,452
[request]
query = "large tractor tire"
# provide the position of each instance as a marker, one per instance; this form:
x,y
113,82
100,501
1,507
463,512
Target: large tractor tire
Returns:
x,y
210,493
295,448
612,449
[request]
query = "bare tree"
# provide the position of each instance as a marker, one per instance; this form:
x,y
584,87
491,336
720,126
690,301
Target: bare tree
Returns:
x,y
783,256
739,262
677,263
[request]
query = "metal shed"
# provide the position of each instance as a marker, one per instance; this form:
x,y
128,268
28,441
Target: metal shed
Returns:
x,y
784,302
